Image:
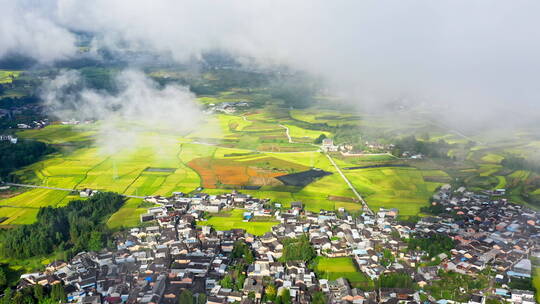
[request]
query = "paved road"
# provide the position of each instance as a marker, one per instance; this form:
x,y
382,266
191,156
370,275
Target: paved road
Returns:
x,y
60,189
360,198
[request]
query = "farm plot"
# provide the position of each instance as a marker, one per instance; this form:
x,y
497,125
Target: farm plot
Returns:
x,y
234,220
238,173
402,188
23,208
334,268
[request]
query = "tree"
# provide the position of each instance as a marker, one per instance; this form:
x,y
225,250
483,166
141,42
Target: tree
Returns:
x,y
395,280
240,279
7,296
186,297
95,243
318,298
285,296
387,258
433,244
38,292
57,293
227,282
3,277
298,249
319,139
270,292
201,298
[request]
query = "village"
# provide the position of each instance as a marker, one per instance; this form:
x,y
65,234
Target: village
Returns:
x,y
173,251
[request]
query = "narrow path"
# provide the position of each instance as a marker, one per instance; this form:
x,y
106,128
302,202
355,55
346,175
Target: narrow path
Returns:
x,y
287,133
360,198
60,189
252,150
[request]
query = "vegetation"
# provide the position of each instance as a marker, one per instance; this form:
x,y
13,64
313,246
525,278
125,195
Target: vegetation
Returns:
x,y
319,139
235,220
75,227
432,244
515,162
35,294
343,267
298,249
410,144
24,152
395,280
451,284
186,297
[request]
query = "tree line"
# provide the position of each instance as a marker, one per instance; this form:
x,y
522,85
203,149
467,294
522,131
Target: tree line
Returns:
x,y
75,227
515,162
24,152
438,149
35,294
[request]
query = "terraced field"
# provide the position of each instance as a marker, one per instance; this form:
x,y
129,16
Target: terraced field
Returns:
x,y
402,188
243,151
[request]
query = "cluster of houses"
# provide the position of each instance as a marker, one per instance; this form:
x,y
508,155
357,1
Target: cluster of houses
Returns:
x,y
228,107
489,231
347,149
35,124
172,251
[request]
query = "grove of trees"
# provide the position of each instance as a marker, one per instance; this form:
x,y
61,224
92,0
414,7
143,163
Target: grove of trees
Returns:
x,y
77,226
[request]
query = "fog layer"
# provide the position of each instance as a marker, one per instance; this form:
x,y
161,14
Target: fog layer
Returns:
x,y
474,60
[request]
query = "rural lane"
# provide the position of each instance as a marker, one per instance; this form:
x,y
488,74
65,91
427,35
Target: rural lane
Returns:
x,y
360,198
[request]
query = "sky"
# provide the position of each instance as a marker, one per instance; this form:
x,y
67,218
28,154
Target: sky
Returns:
x,y
476,60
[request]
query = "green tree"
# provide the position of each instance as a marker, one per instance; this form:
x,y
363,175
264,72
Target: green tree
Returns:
x,y
186,297
227,282
318,298
57,293
319,139
298,249
387,258
38,292
7,296
240,279
95,243
201,298
270,292
3,277
285,296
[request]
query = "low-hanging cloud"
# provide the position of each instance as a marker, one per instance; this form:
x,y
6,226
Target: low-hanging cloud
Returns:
x,y
473,59
140,105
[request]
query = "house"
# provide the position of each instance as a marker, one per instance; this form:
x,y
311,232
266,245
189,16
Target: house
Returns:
x,y
328,145
521,269
522,297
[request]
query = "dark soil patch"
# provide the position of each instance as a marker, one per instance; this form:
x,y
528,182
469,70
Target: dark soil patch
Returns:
x,y
302,179
168,170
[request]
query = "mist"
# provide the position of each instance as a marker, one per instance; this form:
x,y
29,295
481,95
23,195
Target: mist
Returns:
x,y
473,62
139,106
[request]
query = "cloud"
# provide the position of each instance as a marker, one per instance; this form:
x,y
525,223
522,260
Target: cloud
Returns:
x,y
27,28
139,106
462,56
